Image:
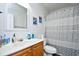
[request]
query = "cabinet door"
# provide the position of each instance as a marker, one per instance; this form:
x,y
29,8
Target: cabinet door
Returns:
x,y
28,54
25,52
38,49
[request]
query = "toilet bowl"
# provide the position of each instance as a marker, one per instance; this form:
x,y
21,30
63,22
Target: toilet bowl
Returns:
x,y
50,49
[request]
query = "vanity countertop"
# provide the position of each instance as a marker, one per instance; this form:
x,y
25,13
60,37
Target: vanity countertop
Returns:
x,y
14,47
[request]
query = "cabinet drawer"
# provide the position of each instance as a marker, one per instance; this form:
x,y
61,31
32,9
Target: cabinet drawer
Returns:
x,y
24,52
38,44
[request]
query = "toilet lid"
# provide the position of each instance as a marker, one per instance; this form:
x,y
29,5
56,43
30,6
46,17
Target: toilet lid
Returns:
x,y
50,49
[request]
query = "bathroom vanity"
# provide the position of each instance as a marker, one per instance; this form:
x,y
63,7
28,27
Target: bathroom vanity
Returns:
x,y
32,47
35,50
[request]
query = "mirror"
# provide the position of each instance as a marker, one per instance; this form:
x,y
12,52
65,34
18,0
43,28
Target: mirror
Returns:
x,y
20,15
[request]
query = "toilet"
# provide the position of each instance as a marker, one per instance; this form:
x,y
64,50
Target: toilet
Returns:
x,y
49,49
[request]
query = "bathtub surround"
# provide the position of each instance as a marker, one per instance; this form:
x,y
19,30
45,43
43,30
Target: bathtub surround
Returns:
x,y
62,30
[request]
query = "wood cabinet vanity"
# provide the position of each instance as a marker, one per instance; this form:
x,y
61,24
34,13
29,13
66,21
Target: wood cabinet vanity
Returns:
x,y
34,50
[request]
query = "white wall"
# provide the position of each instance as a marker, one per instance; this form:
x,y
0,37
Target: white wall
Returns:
x,y
33,10
36,11
2,7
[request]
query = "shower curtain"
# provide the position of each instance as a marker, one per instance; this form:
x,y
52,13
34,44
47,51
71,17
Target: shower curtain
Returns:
x,y
62,30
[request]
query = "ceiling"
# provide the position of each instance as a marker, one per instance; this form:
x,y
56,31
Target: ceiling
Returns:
x,y
54,6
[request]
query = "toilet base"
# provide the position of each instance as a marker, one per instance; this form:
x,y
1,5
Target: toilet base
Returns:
x,y
55,54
